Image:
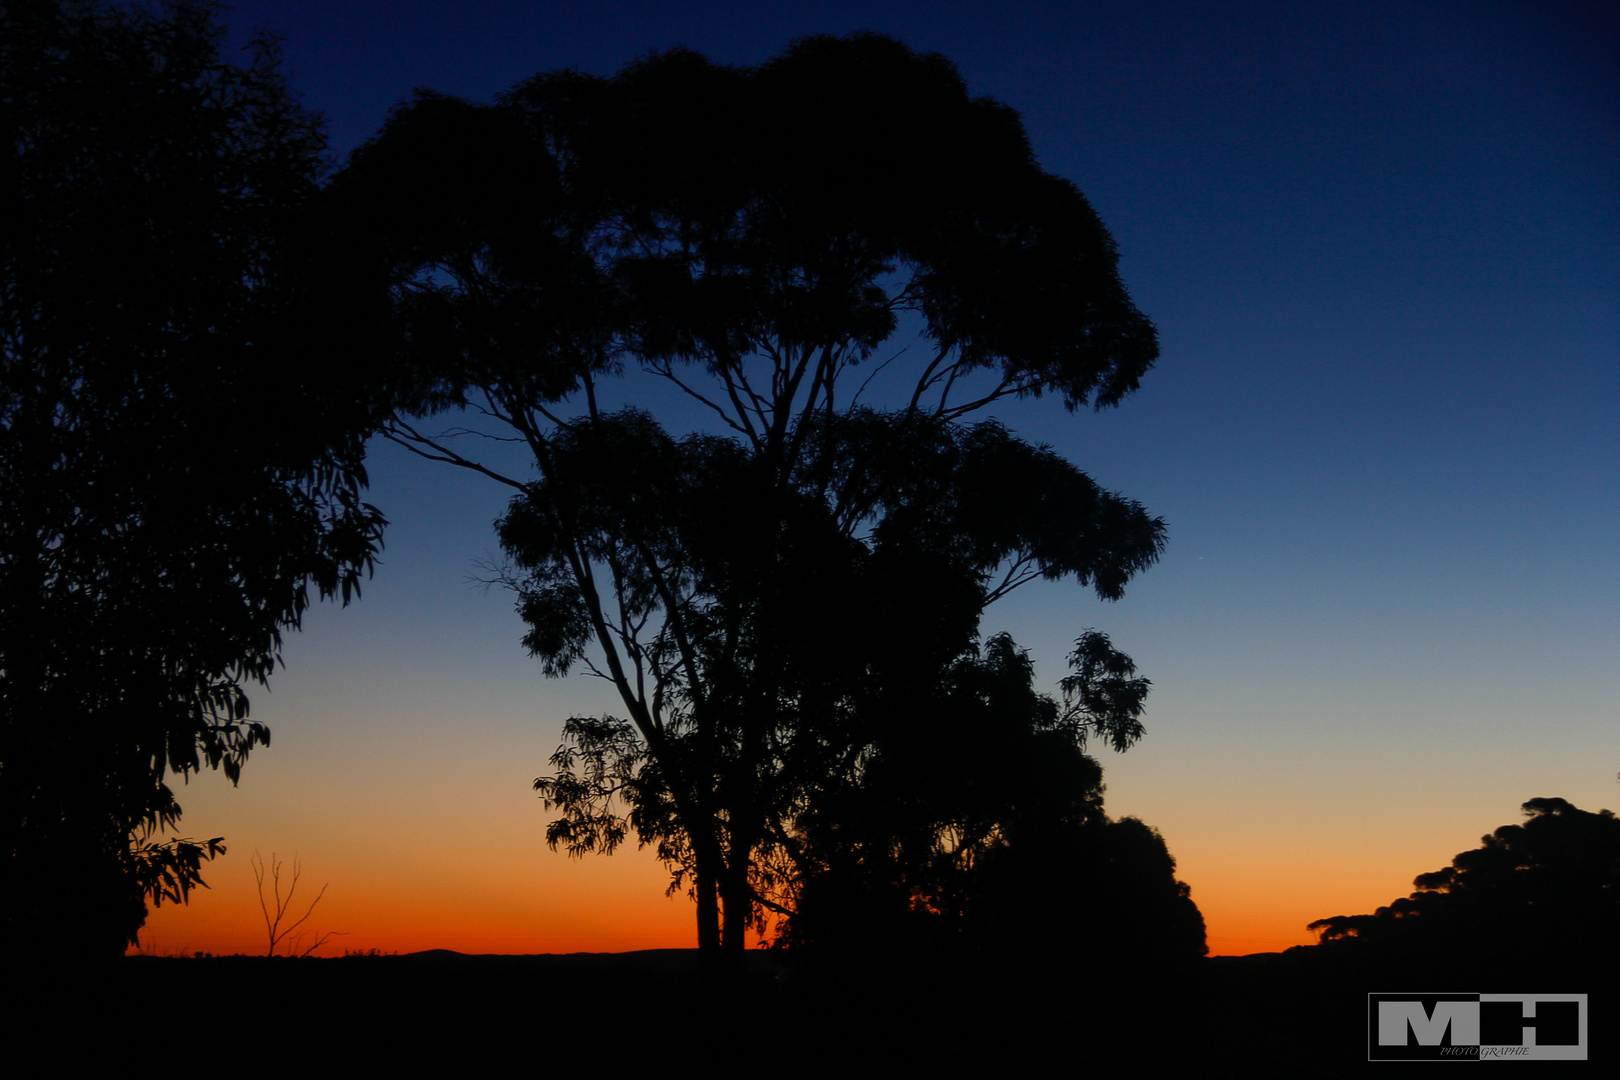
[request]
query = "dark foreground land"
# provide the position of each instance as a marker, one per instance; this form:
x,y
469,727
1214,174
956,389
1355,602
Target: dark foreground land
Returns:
x,y
1302,1014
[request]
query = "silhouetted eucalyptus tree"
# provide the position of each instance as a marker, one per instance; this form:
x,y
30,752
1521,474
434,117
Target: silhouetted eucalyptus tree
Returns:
x,y
742,240
177,462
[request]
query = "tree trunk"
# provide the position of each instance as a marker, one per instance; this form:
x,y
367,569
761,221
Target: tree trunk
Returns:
x,y
708,918
737,904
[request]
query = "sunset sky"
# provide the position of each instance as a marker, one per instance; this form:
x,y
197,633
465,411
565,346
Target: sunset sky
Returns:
x,y
1381,242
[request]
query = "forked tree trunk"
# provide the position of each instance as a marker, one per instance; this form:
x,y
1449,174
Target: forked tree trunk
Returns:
x,y
723,907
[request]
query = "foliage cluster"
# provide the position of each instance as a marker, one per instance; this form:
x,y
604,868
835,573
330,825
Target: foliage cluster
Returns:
x,y
179,463
1548,888
976,831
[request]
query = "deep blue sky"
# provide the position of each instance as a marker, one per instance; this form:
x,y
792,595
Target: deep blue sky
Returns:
x,y
1381,242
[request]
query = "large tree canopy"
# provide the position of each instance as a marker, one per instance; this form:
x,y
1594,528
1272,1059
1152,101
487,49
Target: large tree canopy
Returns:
x,y
179,462
754,246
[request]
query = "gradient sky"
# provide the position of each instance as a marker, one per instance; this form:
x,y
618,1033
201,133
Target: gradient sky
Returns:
x,y
1381,242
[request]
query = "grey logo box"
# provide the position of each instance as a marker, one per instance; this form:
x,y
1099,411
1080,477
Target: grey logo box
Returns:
x,y
1476,1027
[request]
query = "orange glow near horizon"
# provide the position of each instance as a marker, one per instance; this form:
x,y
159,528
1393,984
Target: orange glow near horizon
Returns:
x,y
556,905
450,854
616,905
626,925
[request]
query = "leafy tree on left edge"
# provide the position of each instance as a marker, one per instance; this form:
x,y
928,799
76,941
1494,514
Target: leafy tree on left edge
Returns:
x,y
181,456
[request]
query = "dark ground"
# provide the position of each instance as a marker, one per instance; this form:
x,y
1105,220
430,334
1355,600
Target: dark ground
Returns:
x,y
1298,1014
